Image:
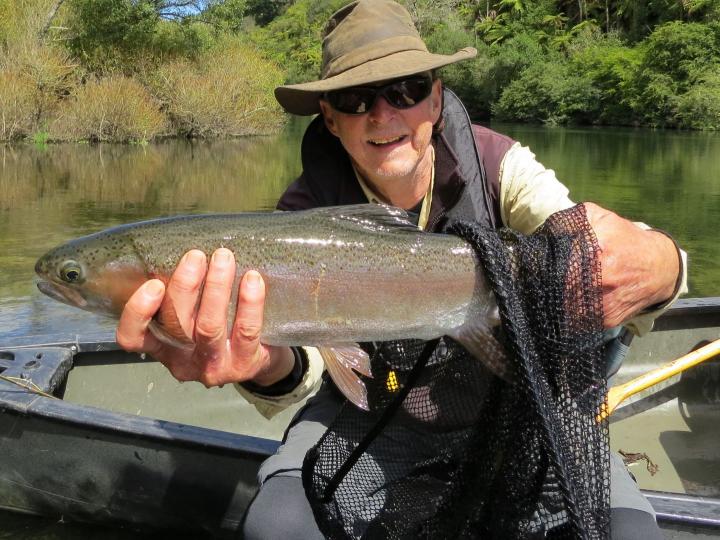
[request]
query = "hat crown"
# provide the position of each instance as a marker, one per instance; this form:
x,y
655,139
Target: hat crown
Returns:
x,y
364,31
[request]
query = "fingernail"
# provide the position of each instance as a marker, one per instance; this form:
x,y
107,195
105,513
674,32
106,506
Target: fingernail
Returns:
x,y
193,258
154,288
252,279
222,256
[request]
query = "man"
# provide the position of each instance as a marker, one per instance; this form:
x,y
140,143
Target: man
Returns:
x,y
387,133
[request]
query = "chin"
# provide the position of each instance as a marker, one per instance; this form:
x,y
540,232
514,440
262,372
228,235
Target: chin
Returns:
x,y
397,169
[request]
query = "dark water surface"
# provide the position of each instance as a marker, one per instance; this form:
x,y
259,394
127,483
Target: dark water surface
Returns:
x,y
670,180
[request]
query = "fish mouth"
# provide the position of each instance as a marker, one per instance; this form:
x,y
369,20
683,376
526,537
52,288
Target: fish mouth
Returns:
x,y
63,294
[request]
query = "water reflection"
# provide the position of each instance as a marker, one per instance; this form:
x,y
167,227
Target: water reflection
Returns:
x,y
668,179
51,195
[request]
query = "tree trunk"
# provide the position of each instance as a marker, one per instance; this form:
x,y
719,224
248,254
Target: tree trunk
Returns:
x,y
51,15
607,17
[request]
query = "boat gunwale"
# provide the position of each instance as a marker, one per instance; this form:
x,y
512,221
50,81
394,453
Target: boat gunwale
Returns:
x,y
672,508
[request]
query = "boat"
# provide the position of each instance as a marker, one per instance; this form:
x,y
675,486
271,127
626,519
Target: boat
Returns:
x,y
91,433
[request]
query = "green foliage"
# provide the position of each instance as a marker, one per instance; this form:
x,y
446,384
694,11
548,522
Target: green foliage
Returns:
x,y
681,50
293,40
699,107
40,138
676,58
107,31
550,92
611,67
264,11
554,61
225,15
124,35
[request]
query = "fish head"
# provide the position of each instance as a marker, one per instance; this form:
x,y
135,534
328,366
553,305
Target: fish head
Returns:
x,y
96,273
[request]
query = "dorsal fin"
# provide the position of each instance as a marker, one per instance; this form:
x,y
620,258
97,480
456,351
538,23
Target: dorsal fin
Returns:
x,y
373,217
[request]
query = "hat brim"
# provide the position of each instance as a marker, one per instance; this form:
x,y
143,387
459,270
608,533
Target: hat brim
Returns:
x,y
302,99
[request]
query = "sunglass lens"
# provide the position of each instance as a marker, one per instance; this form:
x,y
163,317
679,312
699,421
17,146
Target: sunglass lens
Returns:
x,y
401,94
353,100
408,93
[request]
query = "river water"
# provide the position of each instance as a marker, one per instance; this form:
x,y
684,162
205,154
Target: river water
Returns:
x,y
670,180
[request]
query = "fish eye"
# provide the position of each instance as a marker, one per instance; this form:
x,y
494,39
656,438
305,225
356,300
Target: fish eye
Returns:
x,y
71,272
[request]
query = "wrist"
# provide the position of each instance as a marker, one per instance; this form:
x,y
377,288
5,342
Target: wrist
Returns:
x,y
280,363
670,278
288,383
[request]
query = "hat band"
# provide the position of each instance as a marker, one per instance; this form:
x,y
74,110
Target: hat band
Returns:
x,y
371,52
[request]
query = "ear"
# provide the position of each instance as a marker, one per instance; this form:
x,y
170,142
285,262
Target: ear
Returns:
x,y
436,100
329,116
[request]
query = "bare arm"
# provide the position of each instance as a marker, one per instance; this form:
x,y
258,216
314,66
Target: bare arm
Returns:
x,y
217,358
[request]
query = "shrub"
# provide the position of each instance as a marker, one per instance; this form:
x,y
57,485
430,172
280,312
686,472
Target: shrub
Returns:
x,y
114,108
612,68
17,104
549,92
681,49
293,39
699,107
226,91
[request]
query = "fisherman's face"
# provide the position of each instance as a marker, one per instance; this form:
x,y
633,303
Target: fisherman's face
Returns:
x,y
386,143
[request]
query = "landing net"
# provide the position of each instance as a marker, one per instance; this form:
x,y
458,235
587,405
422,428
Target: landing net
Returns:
x,y
450,450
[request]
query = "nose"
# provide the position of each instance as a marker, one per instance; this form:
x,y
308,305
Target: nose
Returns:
x,y
381,111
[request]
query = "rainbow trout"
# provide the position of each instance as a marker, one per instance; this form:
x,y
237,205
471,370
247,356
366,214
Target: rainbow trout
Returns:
x,y
334,277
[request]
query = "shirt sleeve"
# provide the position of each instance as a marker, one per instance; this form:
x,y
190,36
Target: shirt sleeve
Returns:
x,y
269,406
530,193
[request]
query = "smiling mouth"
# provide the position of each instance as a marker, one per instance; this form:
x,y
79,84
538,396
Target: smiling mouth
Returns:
x,y
386,141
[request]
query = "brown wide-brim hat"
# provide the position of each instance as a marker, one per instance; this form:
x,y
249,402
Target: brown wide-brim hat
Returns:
x,y
366,42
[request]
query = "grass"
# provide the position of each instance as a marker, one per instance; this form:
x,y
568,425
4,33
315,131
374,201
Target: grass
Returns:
x,y
47,96
115,108
227,91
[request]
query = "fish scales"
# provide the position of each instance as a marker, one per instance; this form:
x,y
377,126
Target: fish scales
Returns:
x,y
334,275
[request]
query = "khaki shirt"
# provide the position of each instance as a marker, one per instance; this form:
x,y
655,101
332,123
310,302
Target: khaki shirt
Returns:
x,y
529,194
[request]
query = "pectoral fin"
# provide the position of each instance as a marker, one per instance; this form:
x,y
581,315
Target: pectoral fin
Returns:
x,y
344,364
483,345
159,332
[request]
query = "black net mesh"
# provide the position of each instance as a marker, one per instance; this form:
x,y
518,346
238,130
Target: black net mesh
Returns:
x,y
451,451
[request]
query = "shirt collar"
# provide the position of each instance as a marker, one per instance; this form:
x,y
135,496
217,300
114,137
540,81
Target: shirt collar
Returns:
x,y
376,198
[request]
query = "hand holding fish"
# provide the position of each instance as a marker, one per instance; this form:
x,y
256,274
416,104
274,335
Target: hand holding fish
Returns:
x,y
193,307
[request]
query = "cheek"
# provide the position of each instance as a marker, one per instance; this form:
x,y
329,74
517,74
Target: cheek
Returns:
x,y
117,287
422,135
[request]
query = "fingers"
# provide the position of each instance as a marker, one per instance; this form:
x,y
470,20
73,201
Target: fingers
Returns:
x,y
195,305
132,333
177,312
247,327
211,322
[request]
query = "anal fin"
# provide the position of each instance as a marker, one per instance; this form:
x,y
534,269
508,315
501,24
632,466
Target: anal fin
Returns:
x,y
345,364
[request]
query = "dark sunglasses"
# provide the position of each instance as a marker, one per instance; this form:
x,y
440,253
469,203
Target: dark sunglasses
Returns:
x,y
401,94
